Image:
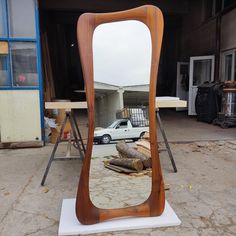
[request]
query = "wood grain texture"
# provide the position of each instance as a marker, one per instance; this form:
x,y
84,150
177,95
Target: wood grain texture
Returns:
x,y
152,17
65,105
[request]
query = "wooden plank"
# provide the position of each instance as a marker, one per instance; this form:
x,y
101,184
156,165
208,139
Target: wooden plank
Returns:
x,y
170,103
3,47
66,105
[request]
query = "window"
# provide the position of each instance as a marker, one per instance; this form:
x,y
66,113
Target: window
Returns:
x,y
211,8
21,15
228,3
202,71
24,64
3,22
217,6
4,78
229,65
234,72
18,54
123,125
208,9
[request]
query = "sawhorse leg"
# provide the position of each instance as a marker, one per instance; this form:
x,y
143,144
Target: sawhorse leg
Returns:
x,y
78,141
76,133
166,141
54,151
73,120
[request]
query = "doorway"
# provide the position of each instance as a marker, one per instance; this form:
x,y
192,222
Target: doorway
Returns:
x,y
201,71
182,83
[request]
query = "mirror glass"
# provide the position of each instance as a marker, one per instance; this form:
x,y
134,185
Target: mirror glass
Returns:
x,y
120,164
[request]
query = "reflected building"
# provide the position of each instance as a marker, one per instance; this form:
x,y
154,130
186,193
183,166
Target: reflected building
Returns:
x,y
109,99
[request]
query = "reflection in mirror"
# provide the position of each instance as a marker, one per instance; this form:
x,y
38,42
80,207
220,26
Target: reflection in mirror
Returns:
x,y
122,61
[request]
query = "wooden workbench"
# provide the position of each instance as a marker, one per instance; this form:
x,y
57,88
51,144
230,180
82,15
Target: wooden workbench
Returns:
x,y
68,107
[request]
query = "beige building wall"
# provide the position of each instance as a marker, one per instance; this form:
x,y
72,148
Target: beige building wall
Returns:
x,y
106,108
19,116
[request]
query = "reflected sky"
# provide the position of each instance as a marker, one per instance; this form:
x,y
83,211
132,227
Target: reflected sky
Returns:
x,y
122,53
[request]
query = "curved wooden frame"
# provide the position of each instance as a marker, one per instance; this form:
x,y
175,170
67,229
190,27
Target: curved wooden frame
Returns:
x,y
151,16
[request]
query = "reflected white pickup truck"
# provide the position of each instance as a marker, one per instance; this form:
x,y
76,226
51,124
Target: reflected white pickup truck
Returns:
x,y
119,129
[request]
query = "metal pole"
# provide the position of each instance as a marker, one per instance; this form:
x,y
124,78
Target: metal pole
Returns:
x,y
78,131
75,135
166,142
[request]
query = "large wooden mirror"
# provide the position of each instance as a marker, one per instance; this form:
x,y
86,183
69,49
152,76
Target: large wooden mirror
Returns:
x,y
122,63
120,54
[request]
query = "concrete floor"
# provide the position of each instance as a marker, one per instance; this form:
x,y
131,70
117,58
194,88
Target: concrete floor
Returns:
x,y
202,193
180,127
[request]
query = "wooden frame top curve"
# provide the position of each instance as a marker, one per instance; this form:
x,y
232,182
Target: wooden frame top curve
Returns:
x,y
152,17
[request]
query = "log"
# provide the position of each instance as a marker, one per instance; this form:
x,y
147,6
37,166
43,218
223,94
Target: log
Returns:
x,y
122,155
144,151
144,143
129,152
133,164
119,169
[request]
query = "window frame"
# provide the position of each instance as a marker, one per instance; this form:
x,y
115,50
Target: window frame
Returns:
x,y
7,71
9,39
3,18
227,53
214,10
11,65
11,15
226,7
35,40
123,126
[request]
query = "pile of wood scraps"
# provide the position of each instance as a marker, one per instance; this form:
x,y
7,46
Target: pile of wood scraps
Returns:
x,y
135,161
